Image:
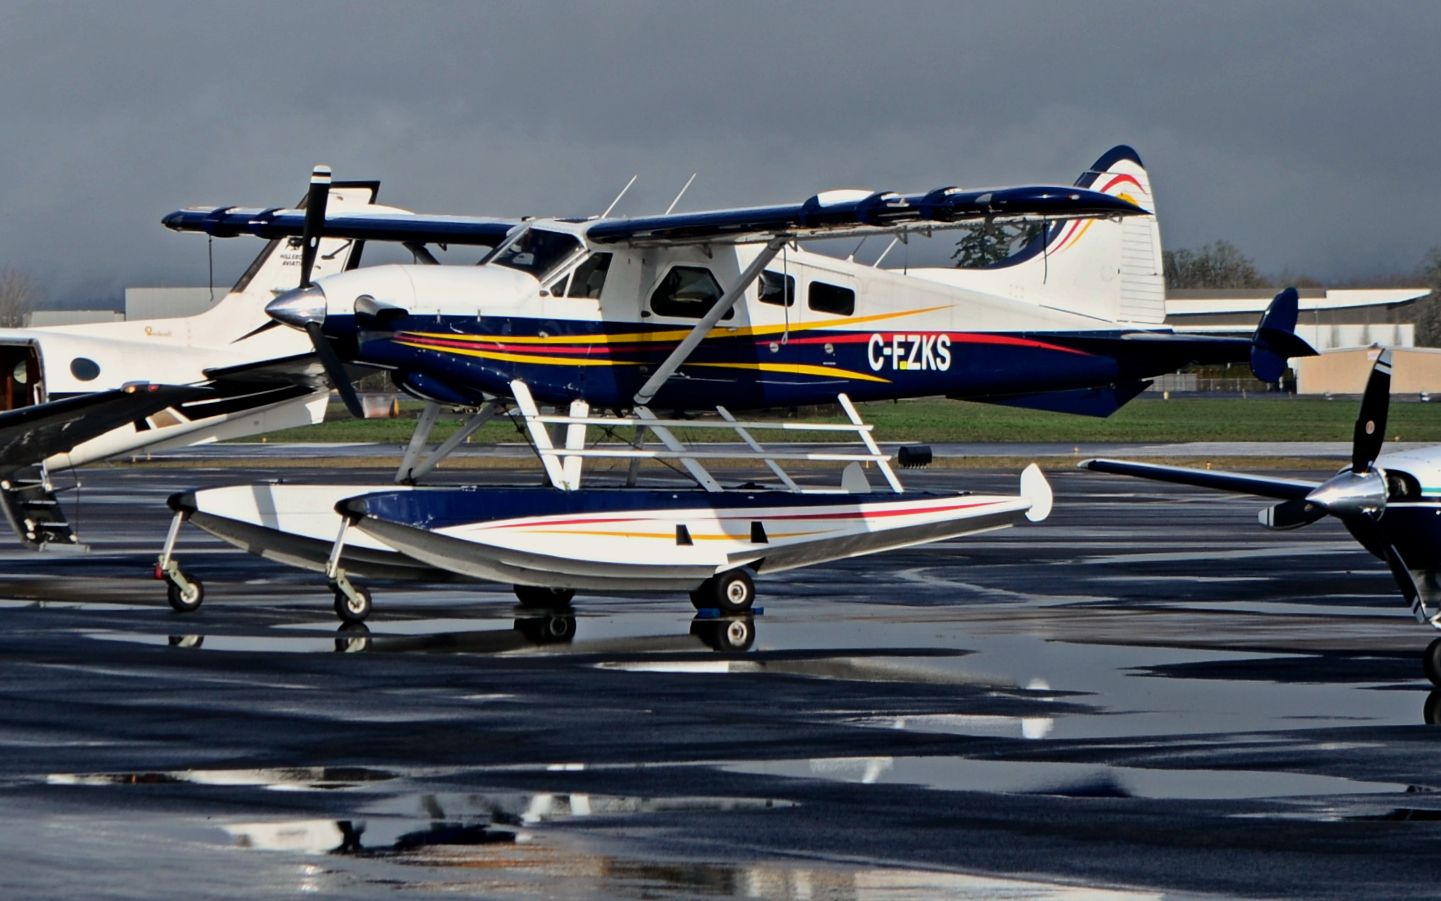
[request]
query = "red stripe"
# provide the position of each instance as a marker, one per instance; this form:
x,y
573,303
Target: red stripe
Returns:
x,y
1122,179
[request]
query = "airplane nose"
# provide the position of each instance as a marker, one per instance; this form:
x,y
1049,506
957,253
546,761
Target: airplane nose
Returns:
x,y
1351,494
298,307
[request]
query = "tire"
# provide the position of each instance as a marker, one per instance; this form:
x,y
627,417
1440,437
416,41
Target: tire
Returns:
x,y
730,592
352,609
546,598
1431,662
187,599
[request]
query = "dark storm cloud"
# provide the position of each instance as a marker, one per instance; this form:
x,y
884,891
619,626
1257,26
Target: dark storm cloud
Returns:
x,y
1299,131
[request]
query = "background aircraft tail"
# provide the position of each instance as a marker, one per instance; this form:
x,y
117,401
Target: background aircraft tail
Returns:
x,y
276,268
1101,268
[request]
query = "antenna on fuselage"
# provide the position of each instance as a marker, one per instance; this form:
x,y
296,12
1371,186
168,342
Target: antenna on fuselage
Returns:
x,y
683,188
619,196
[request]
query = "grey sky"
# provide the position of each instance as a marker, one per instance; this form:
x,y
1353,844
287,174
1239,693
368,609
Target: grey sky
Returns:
x,y
1302,132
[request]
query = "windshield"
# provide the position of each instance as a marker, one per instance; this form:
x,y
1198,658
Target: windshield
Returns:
x,y
536,251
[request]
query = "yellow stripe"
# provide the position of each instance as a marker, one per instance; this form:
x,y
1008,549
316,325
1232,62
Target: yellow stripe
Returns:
x,y
719,331
521,358
668,536
793,369
798,369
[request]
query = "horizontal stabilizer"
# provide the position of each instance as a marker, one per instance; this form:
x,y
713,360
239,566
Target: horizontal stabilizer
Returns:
x,y
1099,402
1241,483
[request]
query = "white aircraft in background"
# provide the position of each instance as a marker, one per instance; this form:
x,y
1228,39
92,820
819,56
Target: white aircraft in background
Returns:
x,y
1389,502
72,395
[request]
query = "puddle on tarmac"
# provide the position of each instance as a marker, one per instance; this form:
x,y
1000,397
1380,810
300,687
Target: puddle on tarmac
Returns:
x,y
499,635
1065,779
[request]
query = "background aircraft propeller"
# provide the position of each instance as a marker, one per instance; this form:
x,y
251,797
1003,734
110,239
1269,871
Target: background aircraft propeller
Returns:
x,y
1356,495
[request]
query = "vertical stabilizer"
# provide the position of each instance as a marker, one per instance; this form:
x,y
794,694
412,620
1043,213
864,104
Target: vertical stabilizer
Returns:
x,y
1100,268
277,268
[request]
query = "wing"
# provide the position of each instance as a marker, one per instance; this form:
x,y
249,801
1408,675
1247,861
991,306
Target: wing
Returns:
x,y
843,213
390,225
30,434
1261,486
828,215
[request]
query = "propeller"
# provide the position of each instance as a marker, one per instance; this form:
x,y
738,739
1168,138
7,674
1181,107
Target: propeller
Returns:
x,y
334,369
315,203
1359,491
305,306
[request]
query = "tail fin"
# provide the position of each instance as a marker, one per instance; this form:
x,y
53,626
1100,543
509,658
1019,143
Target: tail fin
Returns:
x,y
241,312
1095,267
277,267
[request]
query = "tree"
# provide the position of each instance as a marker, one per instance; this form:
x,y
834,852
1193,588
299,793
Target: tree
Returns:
x,y
1216,265
987,243
1428,309
18,297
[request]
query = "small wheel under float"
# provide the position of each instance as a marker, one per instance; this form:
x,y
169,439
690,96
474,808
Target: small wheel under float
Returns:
x,y
729,592
354,605
185,594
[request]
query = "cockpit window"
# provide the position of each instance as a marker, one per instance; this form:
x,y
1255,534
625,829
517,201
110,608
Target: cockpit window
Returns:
x,y
536,251
589,276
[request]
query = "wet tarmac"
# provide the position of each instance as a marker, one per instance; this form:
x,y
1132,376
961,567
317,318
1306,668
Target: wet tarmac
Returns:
x,y
1145,695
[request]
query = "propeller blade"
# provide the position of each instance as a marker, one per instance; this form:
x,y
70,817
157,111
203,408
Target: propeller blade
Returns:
x,y
335,369
1371,423
315,202
1292,514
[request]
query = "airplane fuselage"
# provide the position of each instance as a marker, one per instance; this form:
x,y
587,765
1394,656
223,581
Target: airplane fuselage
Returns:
x,y
458,334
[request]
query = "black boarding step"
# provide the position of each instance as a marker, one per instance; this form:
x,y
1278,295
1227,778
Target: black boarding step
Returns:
x,y
35,515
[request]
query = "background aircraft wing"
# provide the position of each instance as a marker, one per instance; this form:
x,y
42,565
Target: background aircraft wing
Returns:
x,y
31,434
1261,486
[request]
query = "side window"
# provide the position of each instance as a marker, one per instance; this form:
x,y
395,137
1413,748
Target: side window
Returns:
x,y
824,298
776,289
687,291
589,277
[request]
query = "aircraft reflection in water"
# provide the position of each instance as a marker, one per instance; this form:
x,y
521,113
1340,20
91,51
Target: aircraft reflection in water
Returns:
x,y
726,634
702,313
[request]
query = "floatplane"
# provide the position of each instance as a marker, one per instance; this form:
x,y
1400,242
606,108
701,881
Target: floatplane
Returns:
x,y
653,320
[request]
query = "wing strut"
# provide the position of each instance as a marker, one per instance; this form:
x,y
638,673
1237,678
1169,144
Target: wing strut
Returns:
x,y
707,322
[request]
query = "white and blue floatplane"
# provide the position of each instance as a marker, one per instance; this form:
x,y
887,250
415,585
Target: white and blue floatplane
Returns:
x,y
552,541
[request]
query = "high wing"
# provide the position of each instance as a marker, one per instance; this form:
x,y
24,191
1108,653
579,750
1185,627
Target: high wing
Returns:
x,y
1261,486
842,213
827,215
398,226
39,431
